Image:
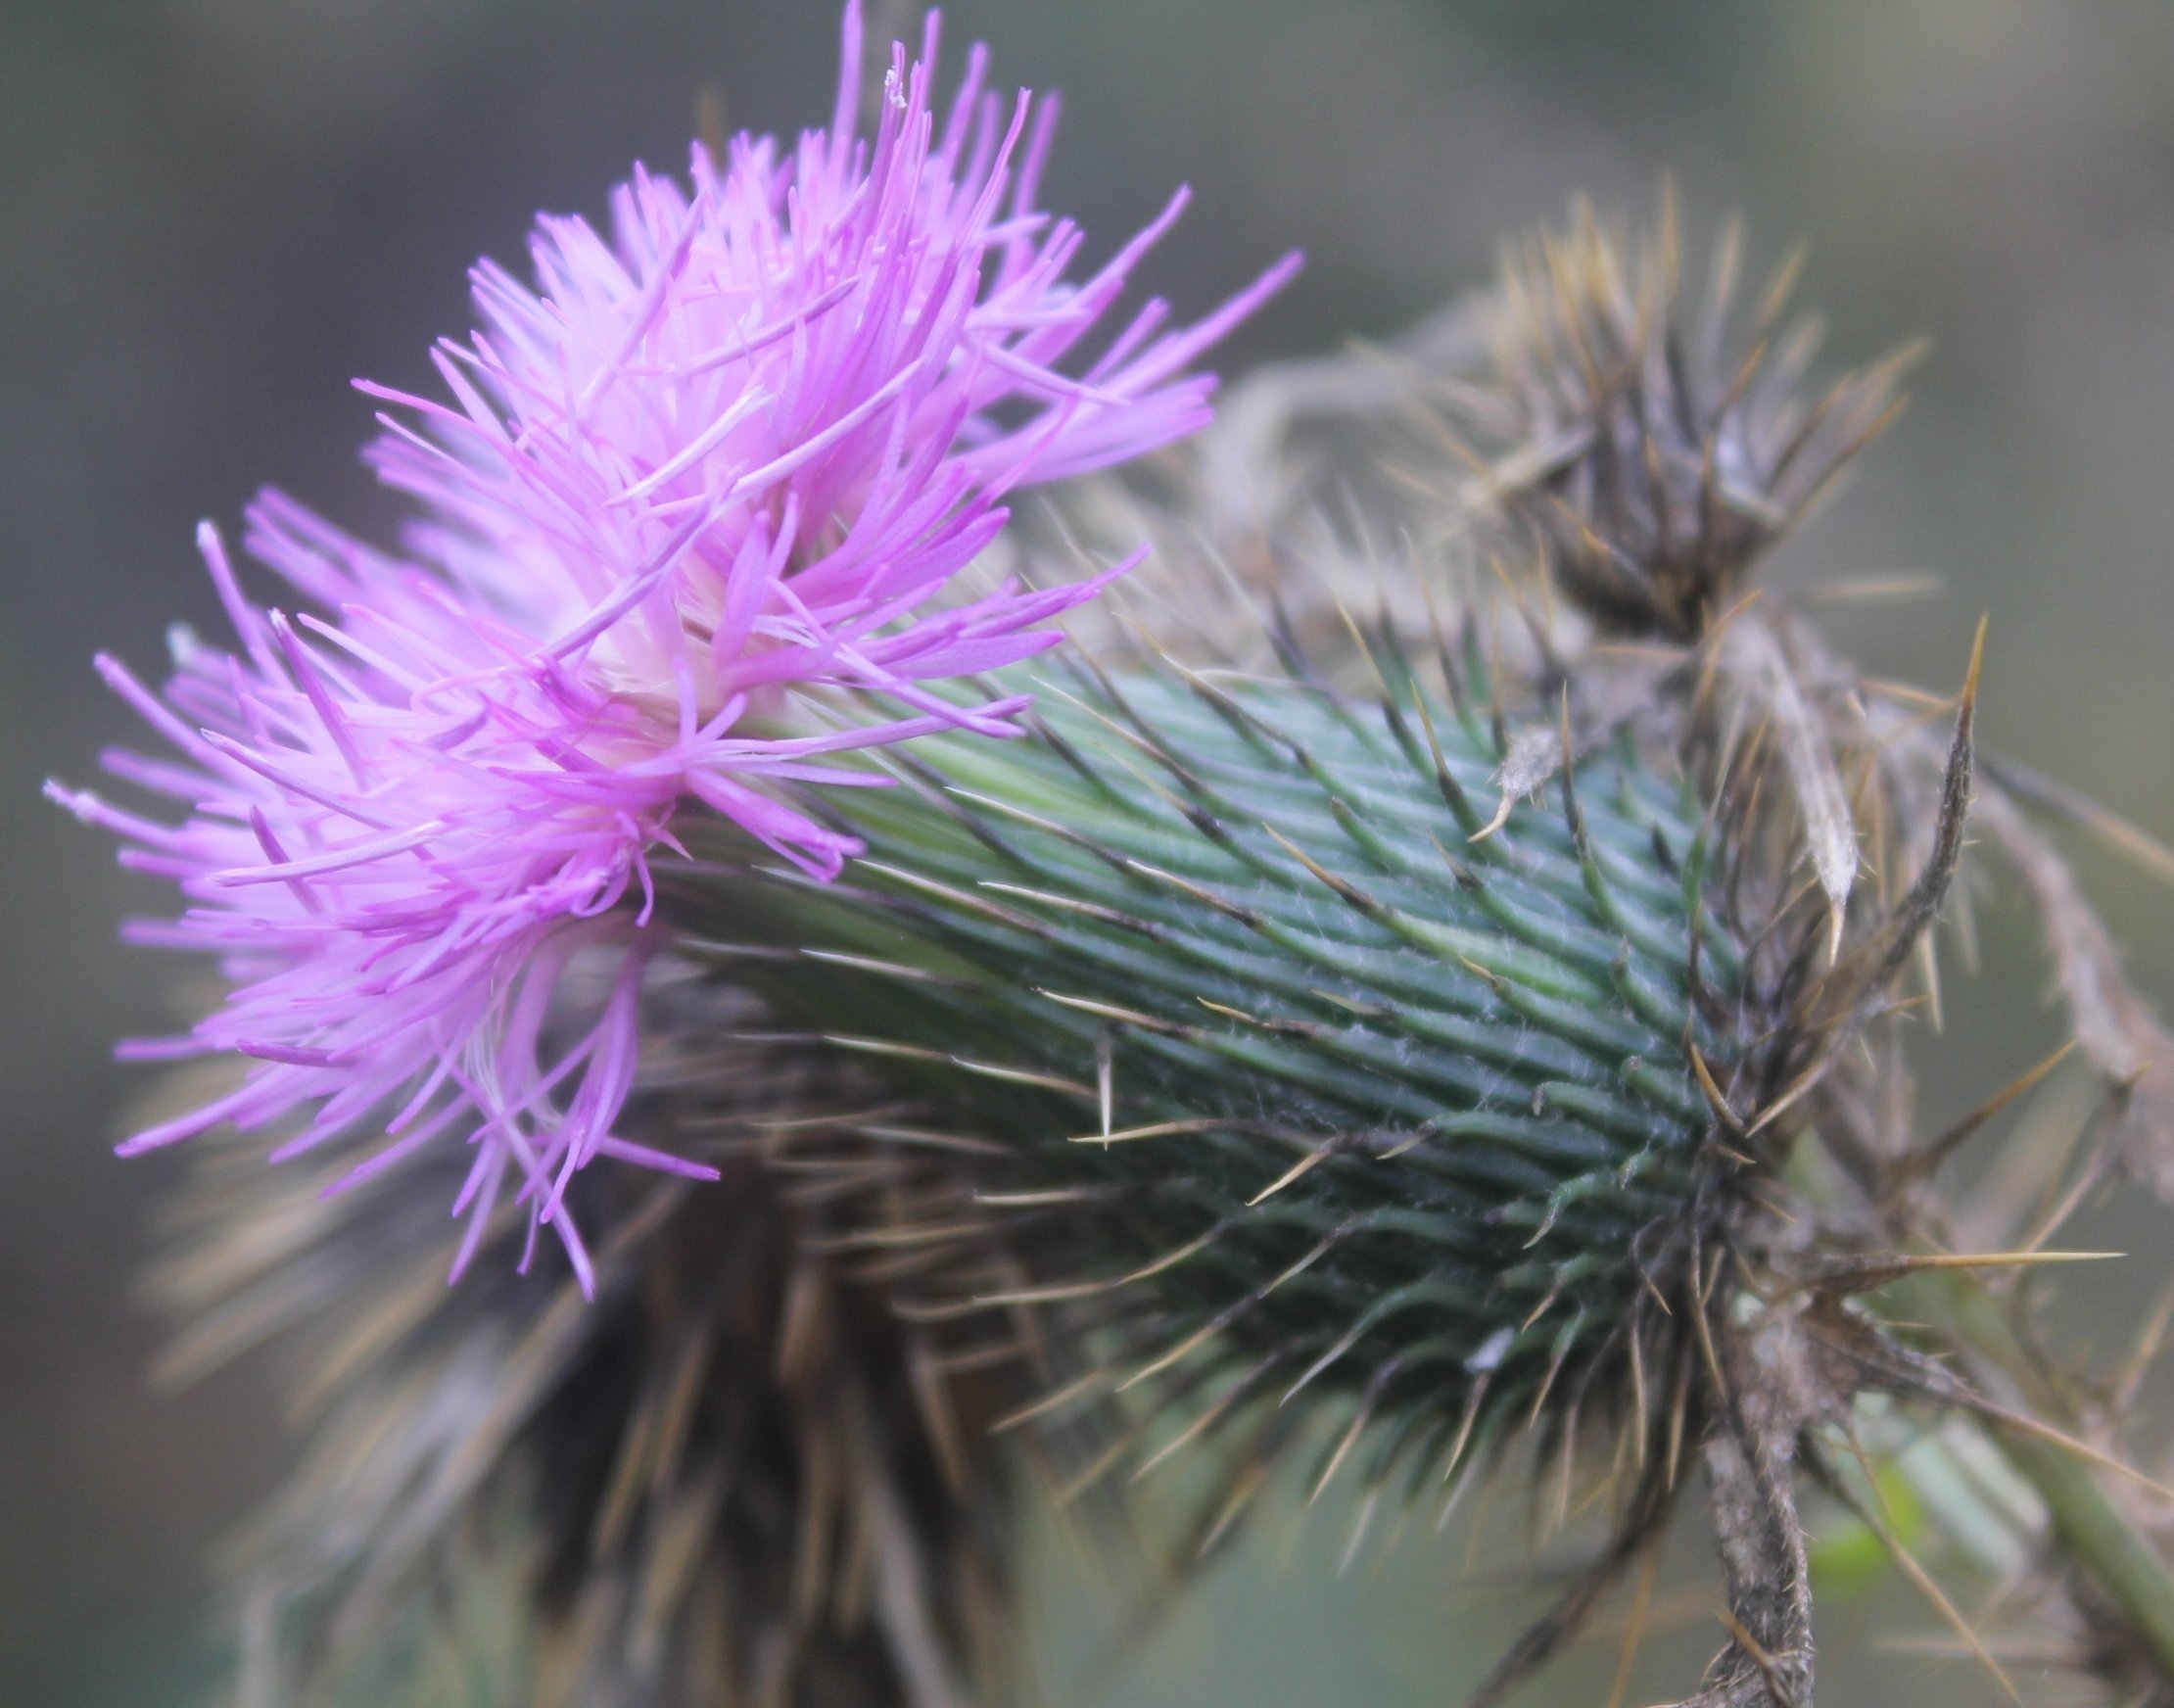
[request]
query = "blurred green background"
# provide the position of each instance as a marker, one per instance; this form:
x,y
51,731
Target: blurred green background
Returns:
x,y
213,213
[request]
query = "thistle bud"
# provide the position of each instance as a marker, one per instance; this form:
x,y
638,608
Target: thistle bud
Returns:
x,y
1337,1081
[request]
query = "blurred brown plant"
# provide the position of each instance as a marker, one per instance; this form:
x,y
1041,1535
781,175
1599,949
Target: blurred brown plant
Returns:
x,y
735,1477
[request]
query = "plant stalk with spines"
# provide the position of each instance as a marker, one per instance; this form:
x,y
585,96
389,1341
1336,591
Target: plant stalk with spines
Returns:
x,y
1637,450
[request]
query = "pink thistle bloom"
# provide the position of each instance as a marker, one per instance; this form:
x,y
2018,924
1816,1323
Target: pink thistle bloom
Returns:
x,y
735,449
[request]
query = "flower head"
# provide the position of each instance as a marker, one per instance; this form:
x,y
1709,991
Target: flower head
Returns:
x,y
1649,444
736,447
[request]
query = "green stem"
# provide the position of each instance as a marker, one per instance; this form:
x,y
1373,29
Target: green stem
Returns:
x,y
2102,1543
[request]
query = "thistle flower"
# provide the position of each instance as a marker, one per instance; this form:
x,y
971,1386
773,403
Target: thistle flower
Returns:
x,y
733,451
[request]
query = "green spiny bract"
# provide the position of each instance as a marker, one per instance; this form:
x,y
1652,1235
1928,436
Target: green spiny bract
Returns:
x,y
1340,1092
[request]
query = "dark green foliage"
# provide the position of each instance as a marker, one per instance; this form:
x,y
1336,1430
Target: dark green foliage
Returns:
x,y
1341,1094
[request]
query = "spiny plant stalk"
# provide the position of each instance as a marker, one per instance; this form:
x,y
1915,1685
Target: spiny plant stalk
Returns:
x,y
734,1477
1646,449
1609,391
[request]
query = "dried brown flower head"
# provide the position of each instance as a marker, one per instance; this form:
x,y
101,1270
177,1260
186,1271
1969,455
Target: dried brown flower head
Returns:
x,y
1648,442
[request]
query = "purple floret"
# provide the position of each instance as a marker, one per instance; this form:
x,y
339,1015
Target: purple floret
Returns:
x,y
733,451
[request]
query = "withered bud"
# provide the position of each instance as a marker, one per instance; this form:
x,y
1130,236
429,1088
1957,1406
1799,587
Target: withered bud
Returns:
x,y
1647,447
